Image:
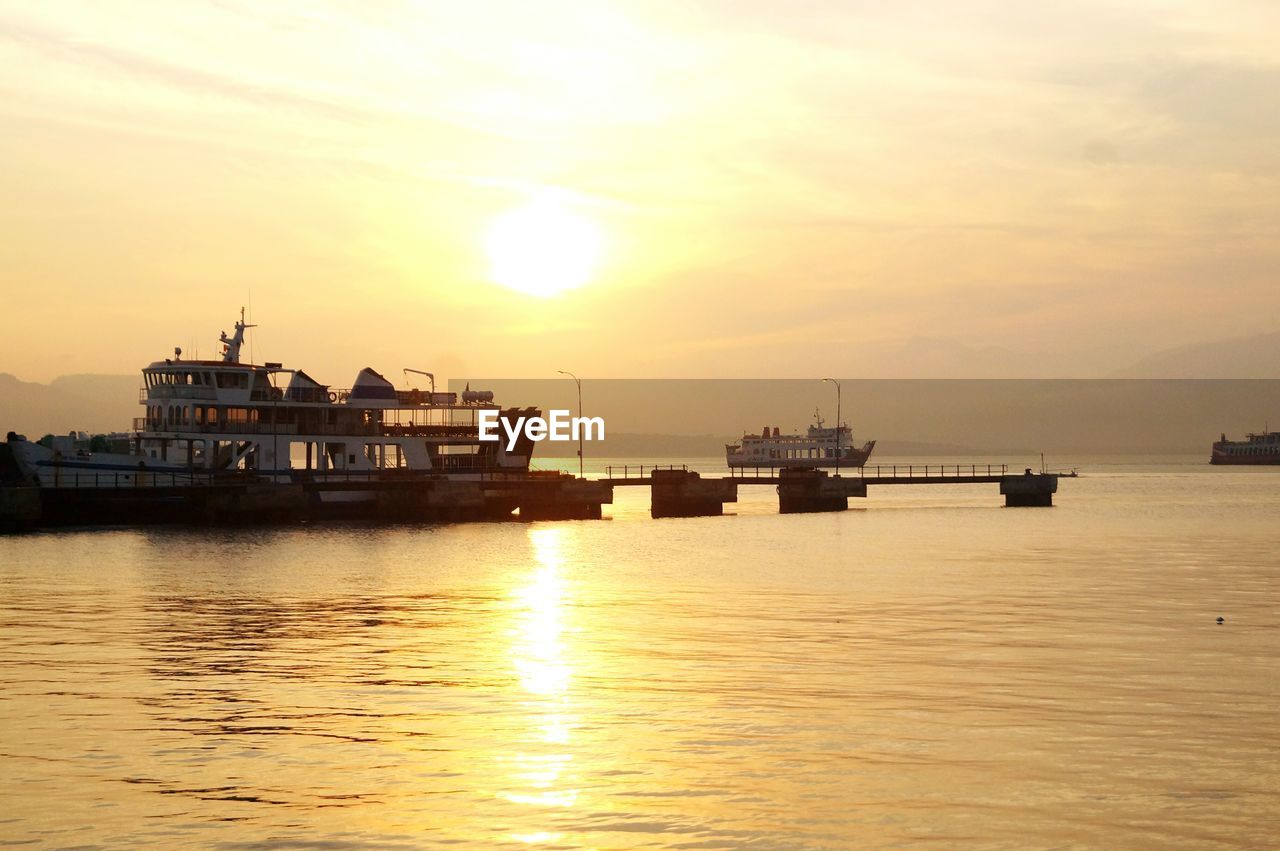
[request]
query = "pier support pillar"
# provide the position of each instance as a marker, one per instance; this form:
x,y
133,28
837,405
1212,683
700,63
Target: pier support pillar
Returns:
x,y
438,500
1029,490
682,493
811,491
564,499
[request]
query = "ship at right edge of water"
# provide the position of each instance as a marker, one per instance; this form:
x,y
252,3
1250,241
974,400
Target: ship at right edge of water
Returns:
x,y
1263,448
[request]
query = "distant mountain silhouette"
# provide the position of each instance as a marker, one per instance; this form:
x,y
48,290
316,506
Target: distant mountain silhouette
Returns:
x,y
102,403
94,403
1238,357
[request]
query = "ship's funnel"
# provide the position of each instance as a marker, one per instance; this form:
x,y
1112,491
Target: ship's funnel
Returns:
x,y
369,386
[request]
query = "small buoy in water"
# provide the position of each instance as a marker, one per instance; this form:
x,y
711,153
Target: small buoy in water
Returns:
x,y
1221,619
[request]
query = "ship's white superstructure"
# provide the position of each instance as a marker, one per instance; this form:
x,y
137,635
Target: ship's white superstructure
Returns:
x,y
207,419
820,446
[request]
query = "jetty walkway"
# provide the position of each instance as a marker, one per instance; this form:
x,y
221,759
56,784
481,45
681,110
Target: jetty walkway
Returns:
x,y
680,492
80,498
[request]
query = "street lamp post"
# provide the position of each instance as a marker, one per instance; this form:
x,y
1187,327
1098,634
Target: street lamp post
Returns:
x,y
838,431
577,381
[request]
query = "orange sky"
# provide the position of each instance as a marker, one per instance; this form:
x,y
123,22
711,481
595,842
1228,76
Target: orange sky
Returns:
x,y
774,185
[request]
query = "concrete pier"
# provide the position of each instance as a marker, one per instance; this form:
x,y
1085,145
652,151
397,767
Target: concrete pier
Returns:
x,y
492,496
561,499
438,500
1029,490
236,501
683,493
810,491
255,503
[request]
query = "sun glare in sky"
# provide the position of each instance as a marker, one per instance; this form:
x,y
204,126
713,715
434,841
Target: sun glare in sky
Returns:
x,y
1014,189
543,248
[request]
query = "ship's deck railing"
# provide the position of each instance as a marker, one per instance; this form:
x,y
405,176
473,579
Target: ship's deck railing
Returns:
x,y
885,471
141,424
327,395
310,394
177,391
845,439
404,398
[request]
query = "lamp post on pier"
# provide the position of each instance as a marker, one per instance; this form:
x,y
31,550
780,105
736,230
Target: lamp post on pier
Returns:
x,y
578,382
838,431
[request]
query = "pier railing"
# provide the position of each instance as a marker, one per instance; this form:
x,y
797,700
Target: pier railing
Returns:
x,y
141,478
881,471
70,477
639,471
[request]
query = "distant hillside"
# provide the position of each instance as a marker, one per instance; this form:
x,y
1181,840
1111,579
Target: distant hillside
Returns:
x,y
1240,357
1055,416
907,417
97,403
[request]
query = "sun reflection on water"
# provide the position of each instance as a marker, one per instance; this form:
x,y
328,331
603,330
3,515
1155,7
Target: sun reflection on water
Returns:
x,y
540,763
538,651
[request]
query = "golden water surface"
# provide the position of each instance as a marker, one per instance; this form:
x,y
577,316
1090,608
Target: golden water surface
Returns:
x,y
928,669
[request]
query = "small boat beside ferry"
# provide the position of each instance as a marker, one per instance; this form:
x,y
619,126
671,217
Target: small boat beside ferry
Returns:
x,y
820,446
1262,448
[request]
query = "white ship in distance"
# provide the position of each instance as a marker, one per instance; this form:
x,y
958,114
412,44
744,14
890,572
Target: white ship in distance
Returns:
x,y
820,446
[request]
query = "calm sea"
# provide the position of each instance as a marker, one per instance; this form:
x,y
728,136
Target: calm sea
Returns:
x,y
926,669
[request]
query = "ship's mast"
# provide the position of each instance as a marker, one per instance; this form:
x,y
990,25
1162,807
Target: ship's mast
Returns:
x,y
231,345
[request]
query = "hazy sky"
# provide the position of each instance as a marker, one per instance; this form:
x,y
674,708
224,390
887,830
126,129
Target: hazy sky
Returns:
x,y
778,188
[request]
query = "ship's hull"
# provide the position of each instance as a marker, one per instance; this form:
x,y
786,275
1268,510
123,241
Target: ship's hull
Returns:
x,y
41,466
1244,460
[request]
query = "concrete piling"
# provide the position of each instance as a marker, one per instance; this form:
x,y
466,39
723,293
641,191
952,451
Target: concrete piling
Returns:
x,y
1029,489
562,499
683,493
811,491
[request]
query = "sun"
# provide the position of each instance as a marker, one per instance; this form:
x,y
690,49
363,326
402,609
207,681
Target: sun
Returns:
x,y
543,248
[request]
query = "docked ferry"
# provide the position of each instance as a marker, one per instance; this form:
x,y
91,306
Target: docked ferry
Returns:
x,y
820,446
209,420
1261,448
